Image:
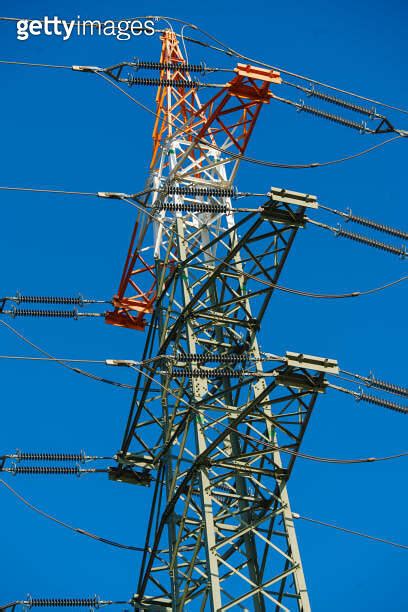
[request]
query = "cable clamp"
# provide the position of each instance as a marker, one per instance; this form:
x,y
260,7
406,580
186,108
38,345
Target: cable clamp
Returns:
x,y
112,195
121,362
87,68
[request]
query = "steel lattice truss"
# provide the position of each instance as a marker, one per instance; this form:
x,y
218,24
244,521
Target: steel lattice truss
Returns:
x,y
211,429
207,419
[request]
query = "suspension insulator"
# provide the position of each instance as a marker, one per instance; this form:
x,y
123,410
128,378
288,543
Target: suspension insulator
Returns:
x,y
56,314
378,401
132,80
197,207
203,357
36,299
87,602
315,93
377,226
44,470
386,386
342,233
361,127
182,67
219,192
214,373
21,456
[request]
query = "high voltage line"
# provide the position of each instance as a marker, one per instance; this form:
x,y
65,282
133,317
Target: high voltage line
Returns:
x,y
226,50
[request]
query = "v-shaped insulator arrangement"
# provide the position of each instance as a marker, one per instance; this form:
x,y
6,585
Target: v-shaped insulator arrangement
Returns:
x,y
115,72
341,232
383,125
357,108
380,227
375,383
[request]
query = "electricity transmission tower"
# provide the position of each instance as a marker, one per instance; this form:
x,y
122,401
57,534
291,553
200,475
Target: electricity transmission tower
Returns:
x,y
216,422
221,533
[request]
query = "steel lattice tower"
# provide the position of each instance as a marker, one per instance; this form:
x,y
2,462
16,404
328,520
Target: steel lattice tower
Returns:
x,y
221,533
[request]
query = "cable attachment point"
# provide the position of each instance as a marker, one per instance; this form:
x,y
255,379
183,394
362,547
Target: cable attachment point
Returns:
x,y
87,68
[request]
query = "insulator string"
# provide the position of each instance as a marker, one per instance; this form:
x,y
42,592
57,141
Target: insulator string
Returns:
x,y
66,602
387,386
378,401
25,456
195,207
343,233
132,80
221,192
316,93
380,227
360,127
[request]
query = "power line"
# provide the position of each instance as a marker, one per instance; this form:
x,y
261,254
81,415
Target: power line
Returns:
x,y
283,449
276,286
182,488
67,525
254,160
61,191
27,358
245,158
350,531
33,64
232,52
302,293
63,363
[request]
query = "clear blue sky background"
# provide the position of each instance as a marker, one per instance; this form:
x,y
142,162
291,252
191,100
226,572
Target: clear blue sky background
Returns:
x,y
72,131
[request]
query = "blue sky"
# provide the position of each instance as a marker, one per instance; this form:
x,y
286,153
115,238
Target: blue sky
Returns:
x,y
66,130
